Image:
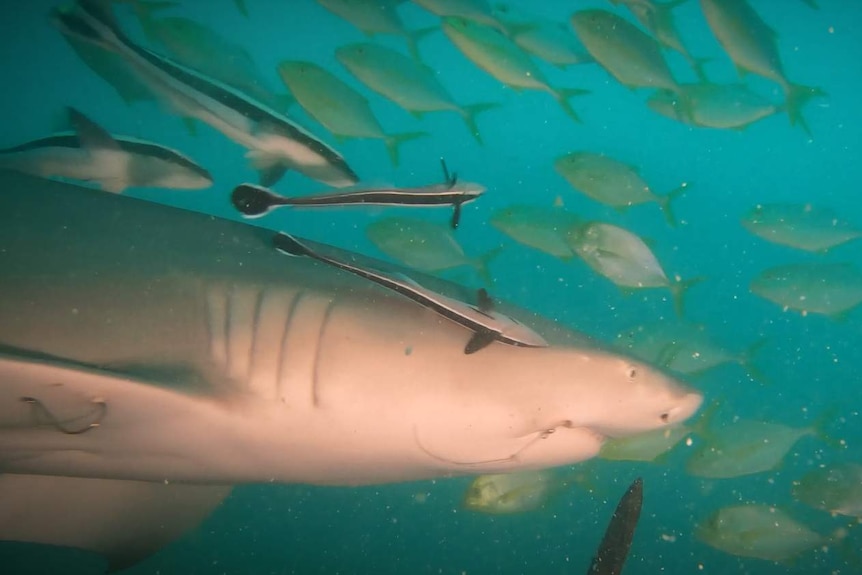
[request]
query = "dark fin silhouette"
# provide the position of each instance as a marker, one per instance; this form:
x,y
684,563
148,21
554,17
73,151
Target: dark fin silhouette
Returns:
x,y
479,341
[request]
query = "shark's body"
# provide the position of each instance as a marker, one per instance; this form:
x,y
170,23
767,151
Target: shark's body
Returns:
x,y
144,343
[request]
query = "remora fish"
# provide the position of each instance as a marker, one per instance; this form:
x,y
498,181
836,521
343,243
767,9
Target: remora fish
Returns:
x,y
486,324
275,143
614,548
201,355
254,201
113,162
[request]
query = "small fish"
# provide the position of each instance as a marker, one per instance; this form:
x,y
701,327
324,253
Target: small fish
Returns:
x,y
625,259
275,143
486,324
549,40
613,551
746,447
425,246
376,17
339,108
499,56
720,106
115,163
254,201
652,445
752,45
613,182
687,348
657,17
836,488
760,531
831,289
508,493
474,10
111,68
539,227
802,226
628,54
408,83
206,51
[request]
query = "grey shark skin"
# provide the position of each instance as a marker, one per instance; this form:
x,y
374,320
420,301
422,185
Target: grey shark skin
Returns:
x,y
181,347
143,343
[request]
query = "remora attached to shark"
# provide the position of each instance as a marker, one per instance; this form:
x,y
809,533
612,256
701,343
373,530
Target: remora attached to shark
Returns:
x,y
202,355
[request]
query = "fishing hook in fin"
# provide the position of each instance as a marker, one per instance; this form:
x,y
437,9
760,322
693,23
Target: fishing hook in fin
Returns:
x,y
39,408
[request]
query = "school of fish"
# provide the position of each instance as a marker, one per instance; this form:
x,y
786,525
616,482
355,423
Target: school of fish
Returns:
x,y
203,77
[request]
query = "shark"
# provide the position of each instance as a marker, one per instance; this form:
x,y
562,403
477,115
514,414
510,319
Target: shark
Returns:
x,y
152,357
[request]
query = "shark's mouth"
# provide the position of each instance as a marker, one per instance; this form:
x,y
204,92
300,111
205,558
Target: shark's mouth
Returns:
x,y
558,444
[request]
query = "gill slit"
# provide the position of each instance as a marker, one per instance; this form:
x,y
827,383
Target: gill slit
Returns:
x,y
315,368
255,328
282,348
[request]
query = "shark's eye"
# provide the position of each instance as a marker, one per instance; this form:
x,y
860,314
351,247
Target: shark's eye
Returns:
x,y
633,372
665,417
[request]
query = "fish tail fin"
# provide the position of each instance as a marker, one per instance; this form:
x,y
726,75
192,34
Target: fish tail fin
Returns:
x,y
470,112
563,94
289,245
698,64
283,102
678,290
413,38
483,261
822,422
747,361
797,96
707,415
665,202
393,141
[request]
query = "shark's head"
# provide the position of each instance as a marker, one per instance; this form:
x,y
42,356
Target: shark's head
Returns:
x,y
543,407
611,394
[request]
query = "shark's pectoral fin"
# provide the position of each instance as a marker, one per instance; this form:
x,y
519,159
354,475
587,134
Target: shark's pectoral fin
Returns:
x,y
124,521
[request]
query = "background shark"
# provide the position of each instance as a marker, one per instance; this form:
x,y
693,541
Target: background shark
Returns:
x,y
145,345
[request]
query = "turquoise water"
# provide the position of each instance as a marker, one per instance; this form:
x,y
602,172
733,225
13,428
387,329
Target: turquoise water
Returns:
x,y
811,362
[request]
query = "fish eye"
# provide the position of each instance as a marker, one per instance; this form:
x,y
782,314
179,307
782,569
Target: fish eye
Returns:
x,y
665,417
633,372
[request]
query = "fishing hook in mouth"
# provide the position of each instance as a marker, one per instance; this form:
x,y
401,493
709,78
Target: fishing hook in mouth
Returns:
x,y
540,435
39,409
